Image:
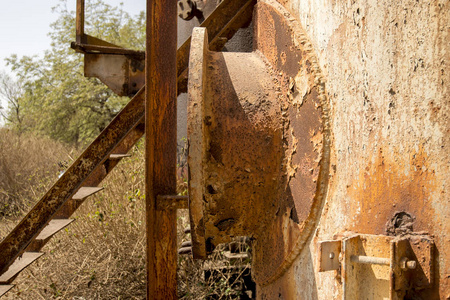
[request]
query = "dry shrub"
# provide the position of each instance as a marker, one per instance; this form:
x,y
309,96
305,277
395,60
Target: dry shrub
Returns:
x,y
101,255
28,165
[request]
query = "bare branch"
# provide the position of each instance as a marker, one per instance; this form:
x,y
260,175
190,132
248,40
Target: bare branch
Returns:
x,y
11,91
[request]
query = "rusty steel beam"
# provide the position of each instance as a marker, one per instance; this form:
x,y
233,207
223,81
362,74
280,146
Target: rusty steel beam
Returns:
x,y
96,49
161,147
96,177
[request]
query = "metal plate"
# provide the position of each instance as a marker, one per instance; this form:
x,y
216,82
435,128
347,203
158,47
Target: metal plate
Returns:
x,y
329,255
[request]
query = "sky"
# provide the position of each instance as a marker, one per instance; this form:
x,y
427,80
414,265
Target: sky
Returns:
x,y
24,25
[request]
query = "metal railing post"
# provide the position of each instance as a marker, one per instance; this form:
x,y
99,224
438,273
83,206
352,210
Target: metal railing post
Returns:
x,y
80,38
160,156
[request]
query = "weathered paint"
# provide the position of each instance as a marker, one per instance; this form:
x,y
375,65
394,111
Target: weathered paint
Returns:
x,y
306,136
386,70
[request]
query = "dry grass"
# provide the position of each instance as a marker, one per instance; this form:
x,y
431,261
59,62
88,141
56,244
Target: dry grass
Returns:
x,y
102,254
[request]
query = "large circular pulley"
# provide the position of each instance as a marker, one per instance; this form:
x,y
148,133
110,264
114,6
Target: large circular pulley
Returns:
x,y
258,142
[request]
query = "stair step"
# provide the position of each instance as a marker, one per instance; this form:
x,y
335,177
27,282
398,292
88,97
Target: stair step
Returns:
x,y
53,227
5,288
185,250
84,192
186,244
118,156
18,265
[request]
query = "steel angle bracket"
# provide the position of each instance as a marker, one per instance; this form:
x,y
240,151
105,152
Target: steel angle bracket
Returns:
x,y
329,255
121,73
379,266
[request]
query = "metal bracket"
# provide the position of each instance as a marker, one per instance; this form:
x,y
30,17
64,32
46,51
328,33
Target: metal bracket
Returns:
x,y
121,73
383,267
329,255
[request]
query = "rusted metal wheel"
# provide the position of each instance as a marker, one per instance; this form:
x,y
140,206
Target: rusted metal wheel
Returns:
x,y
258,142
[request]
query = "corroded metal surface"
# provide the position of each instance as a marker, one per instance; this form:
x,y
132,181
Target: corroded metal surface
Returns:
x,y
306,134
386,66
258,134
329,255
235,137
381,266
197,139
418,276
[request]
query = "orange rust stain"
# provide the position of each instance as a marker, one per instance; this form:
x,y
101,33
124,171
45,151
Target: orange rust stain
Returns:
x,y
384,189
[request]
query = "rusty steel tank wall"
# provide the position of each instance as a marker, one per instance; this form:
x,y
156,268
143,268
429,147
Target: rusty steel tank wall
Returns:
x,y
385,65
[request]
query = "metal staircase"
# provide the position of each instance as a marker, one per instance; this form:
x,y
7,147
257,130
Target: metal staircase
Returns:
x,y
52,213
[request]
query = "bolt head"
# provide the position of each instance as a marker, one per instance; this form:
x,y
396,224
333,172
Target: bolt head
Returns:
x,y
411,264
406,264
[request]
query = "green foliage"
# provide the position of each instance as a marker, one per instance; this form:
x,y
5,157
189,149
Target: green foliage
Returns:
x,y
57,100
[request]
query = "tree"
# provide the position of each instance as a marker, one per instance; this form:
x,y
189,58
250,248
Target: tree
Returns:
x,y
57,100
11,92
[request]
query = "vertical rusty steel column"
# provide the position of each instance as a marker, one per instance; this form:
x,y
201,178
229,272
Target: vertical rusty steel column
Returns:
x,y
80,38
160,157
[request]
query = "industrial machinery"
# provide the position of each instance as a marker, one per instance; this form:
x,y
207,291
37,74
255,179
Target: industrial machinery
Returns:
x,y
325,142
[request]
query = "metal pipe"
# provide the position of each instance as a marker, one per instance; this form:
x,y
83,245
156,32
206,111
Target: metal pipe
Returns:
x,y
160,147
370,260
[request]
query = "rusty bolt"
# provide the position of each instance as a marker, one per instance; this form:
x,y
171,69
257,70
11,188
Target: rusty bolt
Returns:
x,y
406,264
187,9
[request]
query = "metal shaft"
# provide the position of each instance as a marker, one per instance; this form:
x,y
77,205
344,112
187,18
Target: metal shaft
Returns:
x,y
160,156
370,260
